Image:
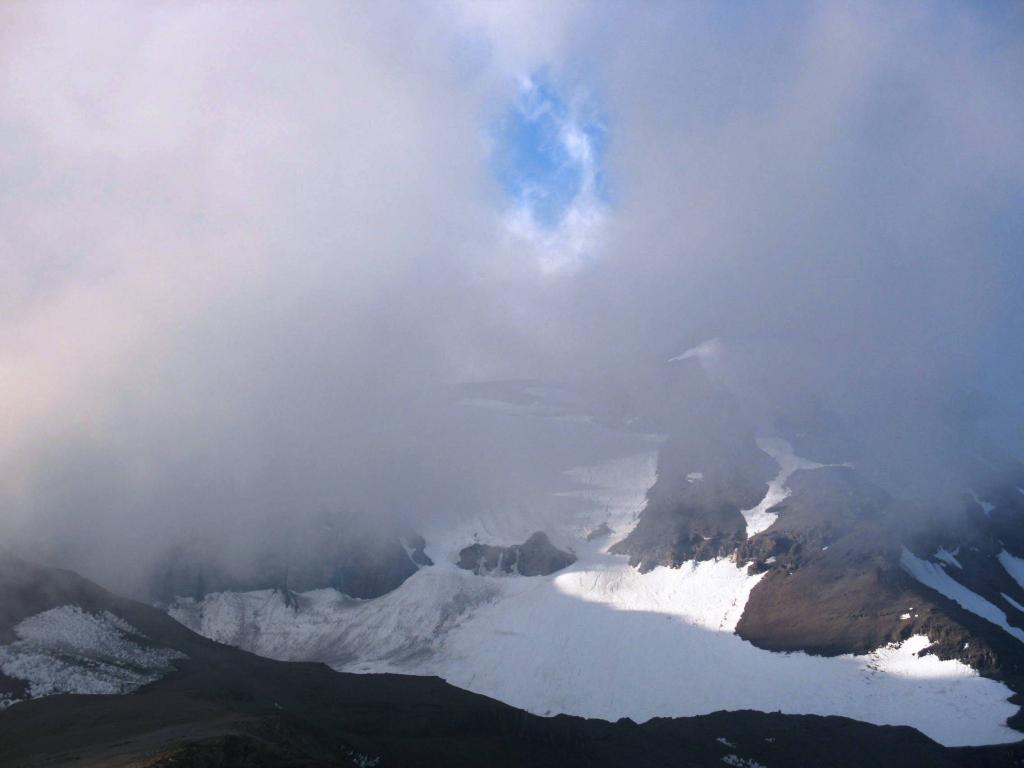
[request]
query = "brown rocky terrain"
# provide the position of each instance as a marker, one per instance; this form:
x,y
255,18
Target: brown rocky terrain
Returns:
x,y
536,556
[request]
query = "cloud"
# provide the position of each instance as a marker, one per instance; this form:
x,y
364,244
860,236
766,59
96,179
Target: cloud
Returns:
x,y
248,249
548,152
234,291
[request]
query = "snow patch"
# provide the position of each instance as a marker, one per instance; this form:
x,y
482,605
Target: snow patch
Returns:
x,y
1013,566
361,760
931,575
600,639
703,351
603,640
742,762
760,518
710,594
986,507
67,650
618,487
948,557
1012,602
693,477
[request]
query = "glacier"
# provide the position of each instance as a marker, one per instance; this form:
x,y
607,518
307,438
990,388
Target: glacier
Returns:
x,y
600,639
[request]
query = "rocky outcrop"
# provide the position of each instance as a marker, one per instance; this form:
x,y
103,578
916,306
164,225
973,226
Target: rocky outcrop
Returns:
x,y
834,578
537,556
834,582
694,510
709,469
824,506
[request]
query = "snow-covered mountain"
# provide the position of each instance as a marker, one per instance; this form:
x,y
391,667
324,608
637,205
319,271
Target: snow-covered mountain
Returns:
x,y
731,573
203,703
721,594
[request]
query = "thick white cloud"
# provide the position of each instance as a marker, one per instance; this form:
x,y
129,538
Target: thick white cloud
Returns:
x,y
228,232
245,248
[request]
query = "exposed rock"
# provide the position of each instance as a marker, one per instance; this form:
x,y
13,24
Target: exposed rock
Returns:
x,y
834,583
824,506
537,556
834,580
709,469
290,598
698,520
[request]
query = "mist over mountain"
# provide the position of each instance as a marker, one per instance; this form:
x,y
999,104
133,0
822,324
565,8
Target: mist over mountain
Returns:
x,y
250,251
554,349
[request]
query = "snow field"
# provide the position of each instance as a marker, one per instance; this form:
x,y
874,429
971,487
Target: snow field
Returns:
x,y
600,639
67,650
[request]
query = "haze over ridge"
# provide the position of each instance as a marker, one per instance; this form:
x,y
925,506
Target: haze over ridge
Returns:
x,y
249,251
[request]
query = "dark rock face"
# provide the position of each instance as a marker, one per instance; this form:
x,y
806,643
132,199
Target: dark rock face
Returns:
x,y
698,518
848,600
825,506
709,469
227,708
834,580
537,556
854,596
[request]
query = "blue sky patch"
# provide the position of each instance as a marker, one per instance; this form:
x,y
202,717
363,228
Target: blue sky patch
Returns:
x,y
549,151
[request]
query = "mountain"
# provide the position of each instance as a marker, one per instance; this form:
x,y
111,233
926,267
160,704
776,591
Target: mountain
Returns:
x,y
781,559
698,590
331,551
201,703
848,565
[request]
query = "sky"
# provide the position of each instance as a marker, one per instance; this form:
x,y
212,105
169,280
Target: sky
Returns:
x,y
247,250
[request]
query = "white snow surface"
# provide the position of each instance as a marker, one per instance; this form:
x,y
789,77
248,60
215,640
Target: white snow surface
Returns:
x,y
934,576
986,506
761,517
68,650
1013,566
735,761
1012,602
703,351
600,639
948,557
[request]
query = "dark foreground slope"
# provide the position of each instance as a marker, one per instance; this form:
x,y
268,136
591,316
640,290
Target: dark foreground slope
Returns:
x,y
224,707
